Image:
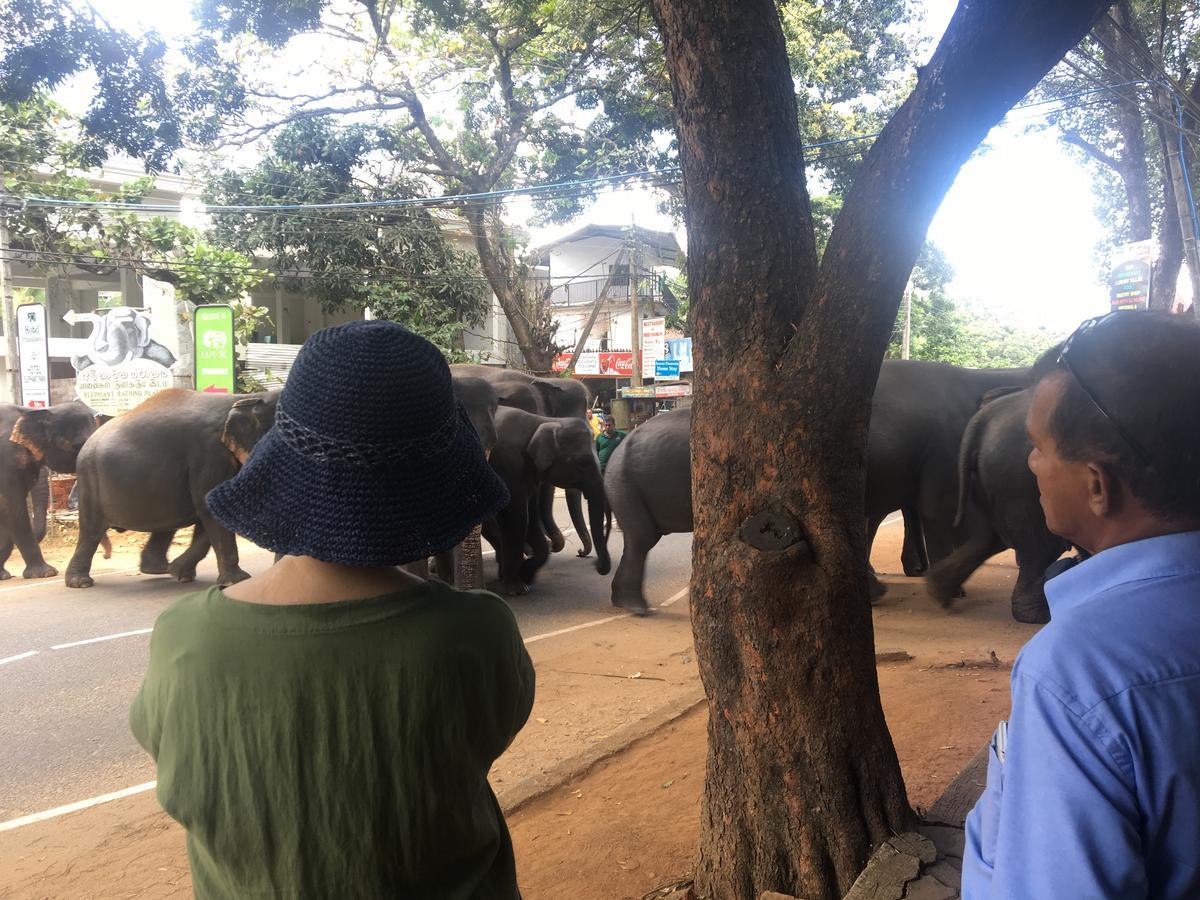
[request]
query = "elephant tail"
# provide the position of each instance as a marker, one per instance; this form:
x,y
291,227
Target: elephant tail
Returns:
x,y
968,457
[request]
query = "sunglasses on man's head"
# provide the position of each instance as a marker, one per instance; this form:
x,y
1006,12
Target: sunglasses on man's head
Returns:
x,y
1064,360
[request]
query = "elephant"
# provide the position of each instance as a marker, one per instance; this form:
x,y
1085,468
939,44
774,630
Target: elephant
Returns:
x,y
648,483
555,397
532,451
37,438
150,470
918,414
118,336
479,399
999,507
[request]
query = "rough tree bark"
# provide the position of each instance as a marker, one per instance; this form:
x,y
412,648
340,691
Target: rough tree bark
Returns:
x,y
1133,167
802,779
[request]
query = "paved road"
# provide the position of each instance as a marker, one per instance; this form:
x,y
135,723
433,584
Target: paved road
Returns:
x,y
71,662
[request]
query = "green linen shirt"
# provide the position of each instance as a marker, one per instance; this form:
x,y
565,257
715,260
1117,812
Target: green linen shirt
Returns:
x,y
337,750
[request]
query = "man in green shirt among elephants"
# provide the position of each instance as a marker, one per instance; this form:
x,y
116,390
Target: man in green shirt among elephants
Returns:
x,y
607,440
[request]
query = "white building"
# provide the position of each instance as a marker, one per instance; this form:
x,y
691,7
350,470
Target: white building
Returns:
x,y
577,267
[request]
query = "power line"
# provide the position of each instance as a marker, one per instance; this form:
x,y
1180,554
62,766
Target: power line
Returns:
x,y
571,187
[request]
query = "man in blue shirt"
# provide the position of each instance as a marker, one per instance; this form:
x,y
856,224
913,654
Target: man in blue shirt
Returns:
x,y
1093,789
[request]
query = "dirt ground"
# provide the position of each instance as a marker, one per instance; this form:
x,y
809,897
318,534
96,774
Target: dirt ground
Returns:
x,y
629,824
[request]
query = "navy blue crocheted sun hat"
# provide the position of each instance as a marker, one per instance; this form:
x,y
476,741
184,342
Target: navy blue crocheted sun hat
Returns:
x,y
371,461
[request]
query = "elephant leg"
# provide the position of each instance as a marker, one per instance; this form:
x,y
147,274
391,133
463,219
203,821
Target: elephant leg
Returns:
x,y
546,514
491,534
92,529
40,497
6,549
153,560
511,527
630,575
183,567
913,556
945,578
21,532
224,544
1029,593
875,587
940,541
575,508
539,545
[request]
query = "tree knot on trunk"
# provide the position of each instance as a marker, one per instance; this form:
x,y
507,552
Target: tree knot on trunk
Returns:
x,y
771,530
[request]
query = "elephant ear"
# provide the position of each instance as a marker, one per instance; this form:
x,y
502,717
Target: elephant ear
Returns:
x,y
248,420
32,431
543,446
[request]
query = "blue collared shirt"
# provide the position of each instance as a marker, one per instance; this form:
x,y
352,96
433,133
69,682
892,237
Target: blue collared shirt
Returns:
x,y
1099,791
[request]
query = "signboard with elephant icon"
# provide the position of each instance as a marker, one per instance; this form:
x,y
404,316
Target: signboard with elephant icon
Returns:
x,y
34,355
214,349
120,364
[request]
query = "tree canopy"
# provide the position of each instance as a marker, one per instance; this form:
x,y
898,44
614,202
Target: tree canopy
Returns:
x,y
461,96
398,261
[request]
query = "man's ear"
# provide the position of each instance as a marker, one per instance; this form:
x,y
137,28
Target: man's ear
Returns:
x,y
1104,491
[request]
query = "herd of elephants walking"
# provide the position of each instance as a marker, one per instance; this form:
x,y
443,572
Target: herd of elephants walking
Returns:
x,y
947,448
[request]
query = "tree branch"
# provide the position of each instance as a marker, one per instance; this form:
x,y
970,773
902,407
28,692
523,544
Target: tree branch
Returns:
x,y
1074,138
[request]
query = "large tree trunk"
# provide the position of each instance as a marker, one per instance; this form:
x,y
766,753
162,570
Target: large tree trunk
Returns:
x,y
1119,55
1170,244
802,779
529,317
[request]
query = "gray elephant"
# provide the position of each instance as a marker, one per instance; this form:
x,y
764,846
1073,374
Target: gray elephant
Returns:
x,y
555,397
480,400
37,438
118,336
532,451
999,508
918,415
648,483
150,469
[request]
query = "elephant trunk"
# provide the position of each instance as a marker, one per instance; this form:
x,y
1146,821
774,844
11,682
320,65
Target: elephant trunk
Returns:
x,y
575,508
594,491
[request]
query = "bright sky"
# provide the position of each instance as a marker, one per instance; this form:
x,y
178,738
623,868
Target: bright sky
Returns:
x,y
1017,226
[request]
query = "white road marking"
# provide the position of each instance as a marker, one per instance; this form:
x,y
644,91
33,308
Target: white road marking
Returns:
x,y
678,596
75,807
9,659
150,785
51,582
580,627
107,637
895,517
595,622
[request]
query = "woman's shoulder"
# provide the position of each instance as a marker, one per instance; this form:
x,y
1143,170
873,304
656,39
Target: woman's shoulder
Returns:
x,y
478,604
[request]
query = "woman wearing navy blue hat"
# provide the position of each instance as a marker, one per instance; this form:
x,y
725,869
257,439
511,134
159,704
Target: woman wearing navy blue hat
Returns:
x,y
325,729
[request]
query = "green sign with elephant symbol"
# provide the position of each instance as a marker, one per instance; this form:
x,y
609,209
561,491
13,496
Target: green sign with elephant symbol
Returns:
x,y
214,349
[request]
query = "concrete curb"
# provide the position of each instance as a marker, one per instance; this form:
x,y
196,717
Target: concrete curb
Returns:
x,y
528,789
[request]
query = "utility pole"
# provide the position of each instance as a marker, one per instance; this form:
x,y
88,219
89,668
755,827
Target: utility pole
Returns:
x,y
906,337
1182,196
9,203
635,318
601,300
